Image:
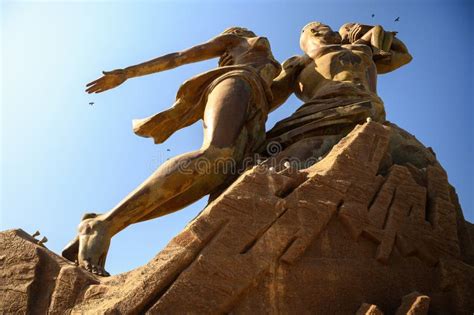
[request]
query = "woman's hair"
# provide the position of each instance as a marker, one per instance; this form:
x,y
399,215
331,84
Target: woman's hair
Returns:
x,y
239,31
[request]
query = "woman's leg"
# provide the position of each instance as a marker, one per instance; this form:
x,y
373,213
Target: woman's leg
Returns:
x,y
191,173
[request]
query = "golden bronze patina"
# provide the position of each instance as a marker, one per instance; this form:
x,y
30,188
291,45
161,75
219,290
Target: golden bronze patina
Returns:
x,y
335,78
233,101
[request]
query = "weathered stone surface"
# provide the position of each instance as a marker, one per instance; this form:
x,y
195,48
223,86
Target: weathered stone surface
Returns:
x,y
414,304
34,280
366,224
369,309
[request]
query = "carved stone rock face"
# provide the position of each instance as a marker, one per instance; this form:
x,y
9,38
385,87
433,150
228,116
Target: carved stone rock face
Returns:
x,y
372,222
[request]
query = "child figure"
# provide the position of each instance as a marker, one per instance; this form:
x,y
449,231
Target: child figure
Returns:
x,y
380,40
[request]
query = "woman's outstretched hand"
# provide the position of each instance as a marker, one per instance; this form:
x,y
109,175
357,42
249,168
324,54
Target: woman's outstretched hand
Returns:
x,y
108,81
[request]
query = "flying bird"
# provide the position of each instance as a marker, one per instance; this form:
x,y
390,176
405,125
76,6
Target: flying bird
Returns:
x,y
397,19
91,103
168,150
373,15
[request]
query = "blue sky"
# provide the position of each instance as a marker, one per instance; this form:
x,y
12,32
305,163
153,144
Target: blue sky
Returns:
x,y
61,157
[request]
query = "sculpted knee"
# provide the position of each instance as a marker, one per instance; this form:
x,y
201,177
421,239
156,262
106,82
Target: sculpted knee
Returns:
x,y
215,160
215,155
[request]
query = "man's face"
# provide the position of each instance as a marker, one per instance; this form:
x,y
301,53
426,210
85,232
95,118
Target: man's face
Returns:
x,y
317,35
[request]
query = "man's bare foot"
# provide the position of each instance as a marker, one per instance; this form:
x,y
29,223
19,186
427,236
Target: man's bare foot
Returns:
x,y
94,269
94,241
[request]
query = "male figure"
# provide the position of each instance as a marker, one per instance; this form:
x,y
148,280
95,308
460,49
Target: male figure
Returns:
x,y
337,82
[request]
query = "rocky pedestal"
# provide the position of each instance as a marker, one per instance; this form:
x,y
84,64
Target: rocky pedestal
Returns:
x,y
374,227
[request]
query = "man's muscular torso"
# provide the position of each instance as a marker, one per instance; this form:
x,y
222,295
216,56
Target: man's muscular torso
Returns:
x,y
327,62
333,64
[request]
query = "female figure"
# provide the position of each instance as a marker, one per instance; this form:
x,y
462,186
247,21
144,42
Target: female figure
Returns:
x,y
233,101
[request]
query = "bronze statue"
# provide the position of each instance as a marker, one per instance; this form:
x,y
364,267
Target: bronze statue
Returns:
x,y
379,40
233,101
336,79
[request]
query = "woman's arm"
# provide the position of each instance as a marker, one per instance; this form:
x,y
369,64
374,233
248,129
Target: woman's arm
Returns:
x,y
211,49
